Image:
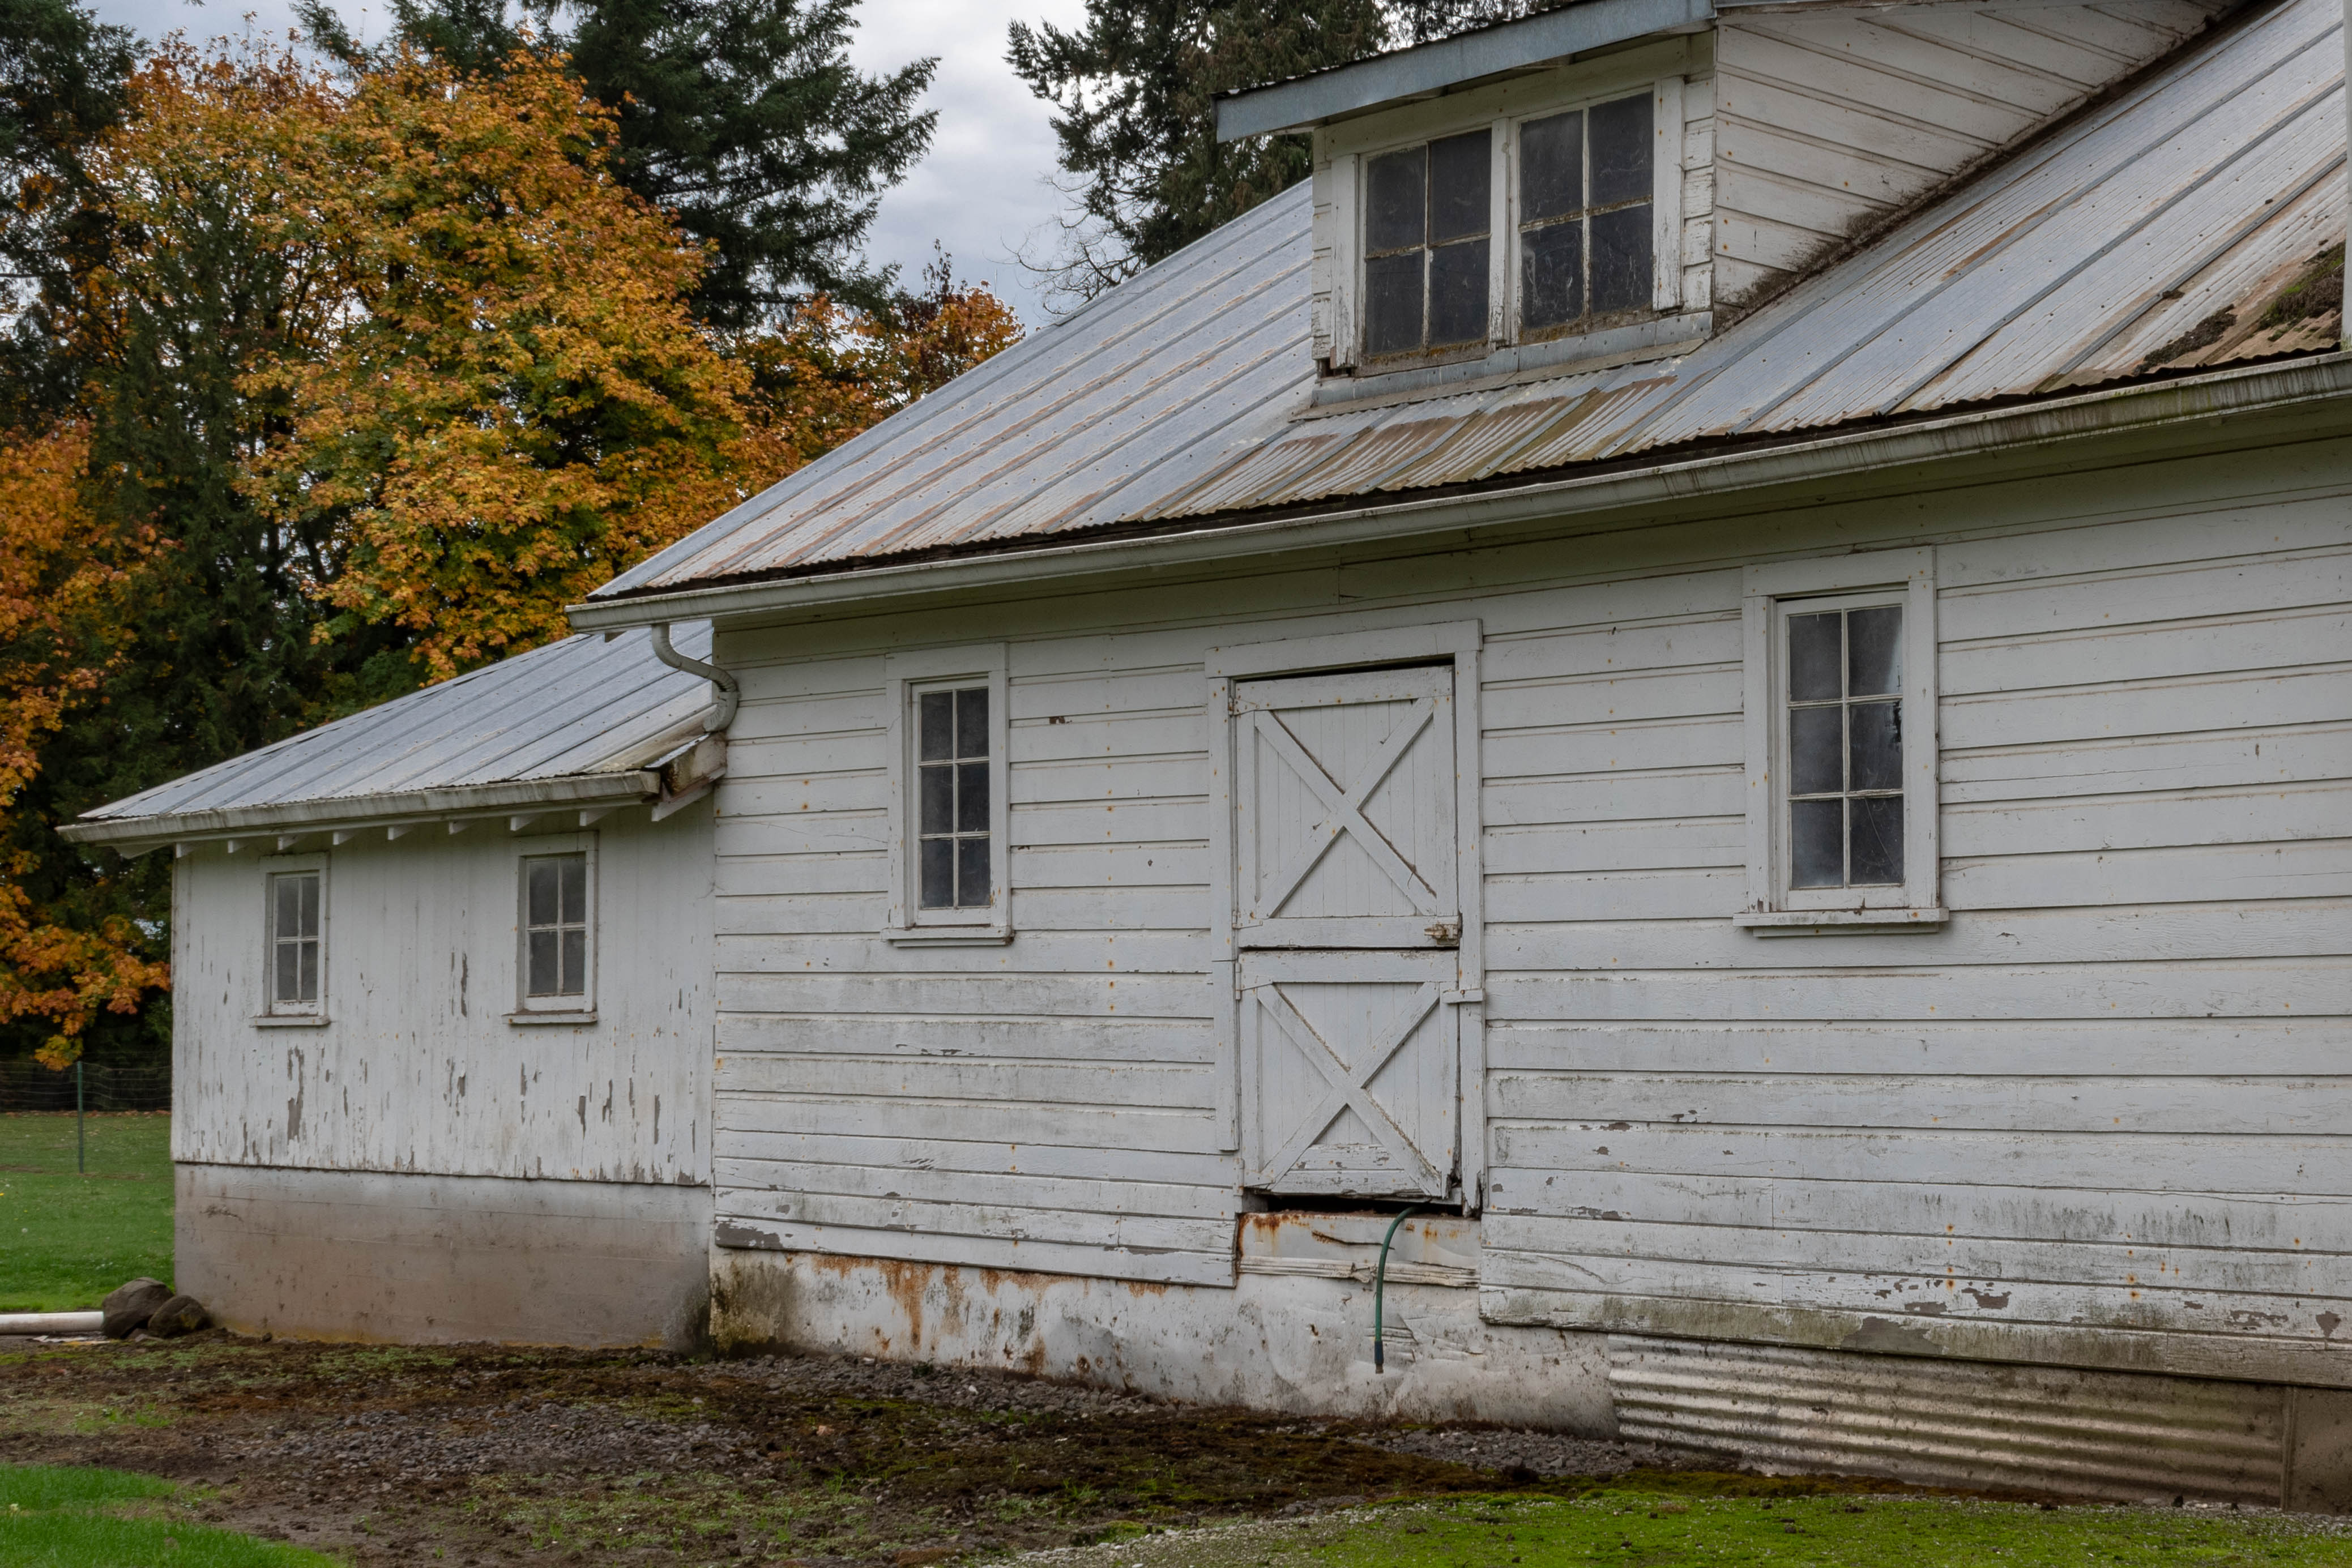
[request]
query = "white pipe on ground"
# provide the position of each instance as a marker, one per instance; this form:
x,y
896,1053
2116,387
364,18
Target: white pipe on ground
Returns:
x,y
52,1322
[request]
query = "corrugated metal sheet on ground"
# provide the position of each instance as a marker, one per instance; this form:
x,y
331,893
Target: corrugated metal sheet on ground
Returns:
x,y
1954,1423
2205,187
581,706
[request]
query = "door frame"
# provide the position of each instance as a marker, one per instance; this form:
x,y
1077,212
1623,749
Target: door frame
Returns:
x,y
1457,642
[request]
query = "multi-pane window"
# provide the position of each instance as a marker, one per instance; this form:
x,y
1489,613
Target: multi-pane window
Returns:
x,y
555,925
1844,712
294,941
1587,243
1428,222
952,793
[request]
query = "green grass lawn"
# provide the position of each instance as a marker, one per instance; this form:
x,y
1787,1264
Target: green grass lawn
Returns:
x,y
59,1517
1687,1529
67,1239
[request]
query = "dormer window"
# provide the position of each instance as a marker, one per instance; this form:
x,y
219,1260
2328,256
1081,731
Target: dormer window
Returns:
x,y
1532,224
1428,223
1587,241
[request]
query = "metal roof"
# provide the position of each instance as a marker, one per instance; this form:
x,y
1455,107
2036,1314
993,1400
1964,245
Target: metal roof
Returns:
x,y
2108,250
578,720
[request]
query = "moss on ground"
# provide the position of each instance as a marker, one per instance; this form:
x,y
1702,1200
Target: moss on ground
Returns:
x,y
1683,1529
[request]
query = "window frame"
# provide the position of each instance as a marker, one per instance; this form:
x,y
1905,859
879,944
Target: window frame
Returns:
x,y
1351,169
906,676
312,1013
581,1009
1771,594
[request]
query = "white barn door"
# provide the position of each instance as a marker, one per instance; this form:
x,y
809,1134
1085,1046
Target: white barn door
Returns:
x,y
1346,925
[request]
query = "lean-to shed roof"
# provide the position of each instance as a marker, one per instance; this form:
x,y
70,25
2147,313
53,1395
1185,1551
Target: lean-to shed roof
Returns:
x,y
2152,234
580,721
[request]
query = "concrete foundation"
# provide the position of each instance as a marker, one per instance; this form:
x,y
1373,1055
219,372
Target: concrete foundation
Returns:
x,y
1295,1335
344,1255
1275,1341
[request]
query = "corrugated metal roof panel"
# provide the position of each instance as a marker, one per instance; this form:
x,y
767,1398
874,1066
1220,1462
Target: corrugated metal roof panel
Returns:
x,y
1185,393
581,707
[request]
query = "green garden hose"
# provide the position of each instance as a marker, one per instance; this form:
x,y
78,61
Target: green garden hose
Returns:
x,y
1380,1289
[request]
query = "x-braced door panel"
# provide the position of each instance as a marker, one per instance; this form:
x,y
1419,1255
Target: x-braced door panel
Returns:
x,y
1347,916
1344,793
1350,1059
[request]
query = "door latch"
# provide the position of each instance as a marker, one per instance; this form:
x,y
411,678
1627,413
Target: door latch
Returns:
x,y
1445,933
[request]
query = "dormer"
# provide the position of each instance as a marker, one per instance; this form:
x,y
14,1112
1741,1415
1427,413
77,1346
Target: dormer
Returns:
x,y
1598,184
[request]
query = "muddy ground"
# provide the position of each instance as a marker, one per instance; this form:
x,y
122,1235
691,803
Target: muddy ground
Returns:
x,y
482,1456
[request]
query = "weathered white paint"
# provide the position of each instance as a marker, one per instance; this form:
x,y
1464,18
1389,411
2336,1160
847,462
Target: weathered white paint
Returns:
x,y
1828,118
2087,1121
415,1065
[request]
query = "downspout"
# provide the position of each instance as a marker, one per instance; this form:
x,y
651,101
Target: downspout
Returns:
x,y
723,707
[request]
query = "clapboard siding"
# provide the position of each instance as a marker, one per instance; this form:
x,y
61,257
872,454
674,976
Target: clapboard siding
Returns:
x,y
1827,119
2128,1037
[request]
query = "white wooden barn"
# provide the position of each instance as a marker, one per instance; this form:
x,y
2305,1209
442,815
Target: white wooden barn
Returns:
x,y
1720,658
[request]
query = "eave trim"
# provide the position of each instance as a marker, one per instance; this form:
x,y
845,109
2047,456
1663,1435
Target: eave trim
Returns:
x,y
630,787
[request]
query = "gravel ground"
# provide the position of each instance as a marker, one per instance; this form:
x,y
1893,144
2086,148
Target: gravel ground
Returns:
x,y
483,1456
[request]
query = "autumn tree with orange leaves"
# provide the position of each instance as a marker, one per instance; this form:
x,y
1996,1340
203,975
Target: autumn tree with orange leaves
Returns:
x,y
389,369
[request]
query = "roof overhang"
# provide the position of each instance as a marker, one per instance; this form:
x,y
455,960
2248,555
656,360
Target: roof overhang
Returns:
x,y
633,787
2167,404
1428,68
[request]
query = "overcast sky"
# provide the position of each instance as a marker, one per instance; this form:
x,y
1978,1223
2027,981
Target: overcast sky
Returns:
x,y
982,192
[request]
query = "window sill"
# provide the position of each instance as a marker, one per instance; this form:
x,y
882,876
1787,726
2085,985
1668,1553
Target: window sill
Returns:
x,y
551,1017
947,936
1831,922
1660,337
292,1021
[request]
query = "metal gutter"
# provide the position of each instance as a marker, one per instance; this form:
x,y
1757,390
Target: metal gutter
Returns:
x,y
1431,67
627,787
2140,405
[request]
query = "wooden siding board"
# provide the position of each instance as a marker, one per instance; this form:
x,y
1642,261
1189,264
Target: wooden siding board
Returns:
x,y
2013,1048
2120,1053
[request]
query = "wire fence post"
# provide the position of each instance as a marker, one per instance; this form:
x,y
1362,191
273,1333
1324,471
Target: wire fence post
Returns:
x,y
82,1145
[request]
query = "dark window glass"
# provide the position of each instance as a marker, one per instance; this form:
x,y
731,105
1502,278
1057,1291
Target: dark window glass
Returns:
x,y
1814,653
1877,855
294,938
1875,746
1587,247
1426,218
938,726
1845,748
1551,274
1394,208
555,925
1874,650
937,860
1621,139
1816,840
1551,167
1457,293
1623,276
951,790
1815,738
1461,172
1392,303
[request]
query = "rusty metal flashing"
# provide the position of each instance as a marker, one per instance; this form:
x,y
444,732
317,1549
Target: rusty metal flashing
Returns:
x,y
1701,468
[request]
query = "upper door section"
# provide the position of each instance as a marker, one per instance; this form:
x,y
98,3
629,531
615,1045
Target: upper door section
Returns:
x,y
1602,181
1345,815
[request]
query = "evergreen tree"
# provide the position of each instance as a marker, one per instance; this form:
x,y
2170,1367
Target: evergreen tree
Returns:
x,y
1134,92
742,118
61,76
